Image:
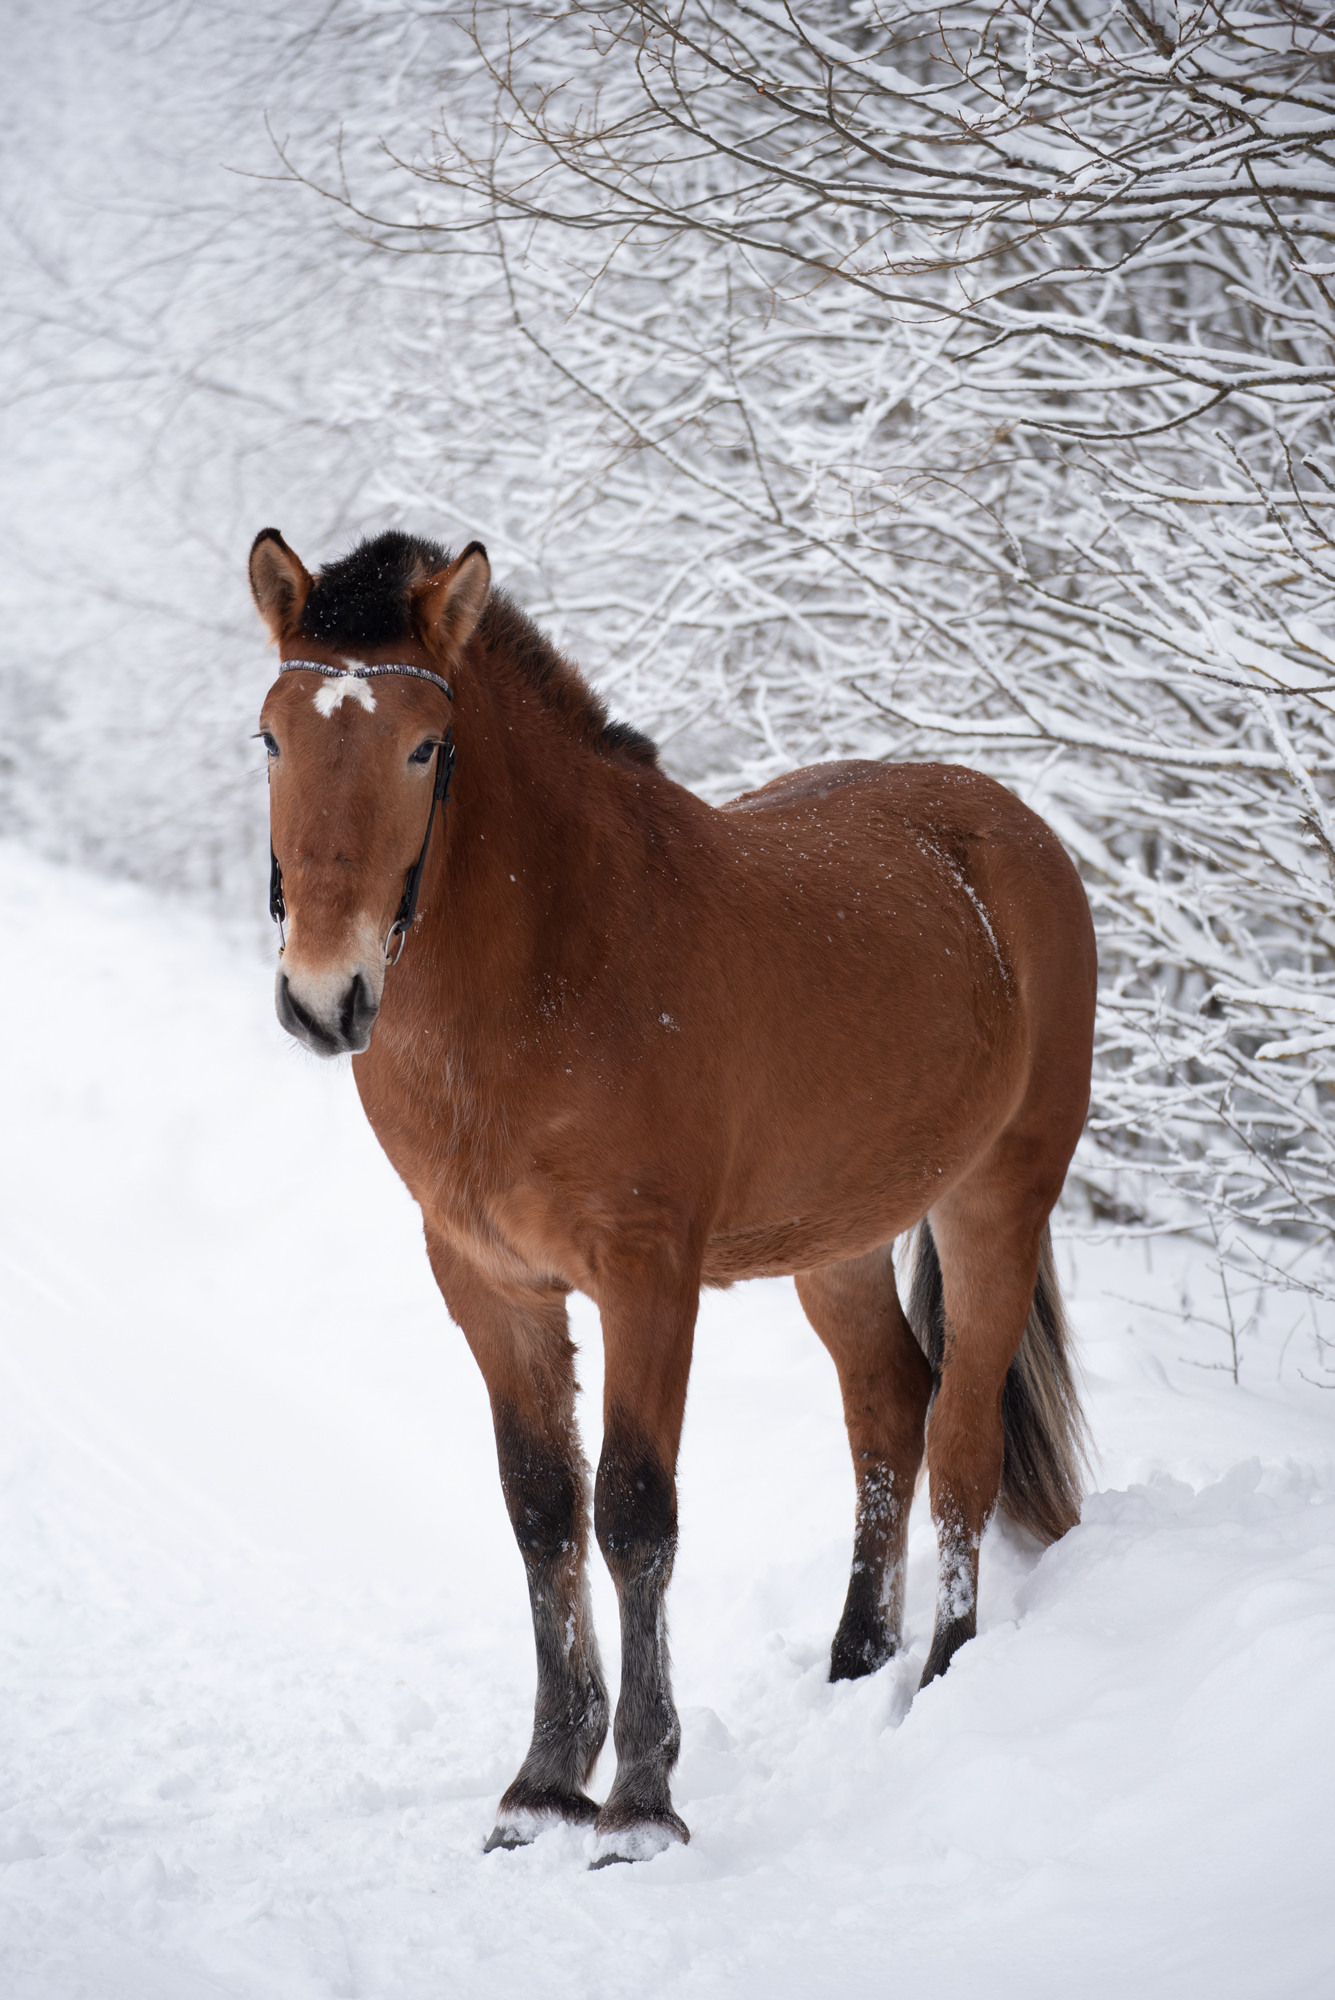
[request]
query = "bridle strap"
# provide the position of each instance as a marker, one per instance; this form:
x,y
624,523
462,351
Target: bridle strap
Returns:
x,y
364,673
440,795
277,906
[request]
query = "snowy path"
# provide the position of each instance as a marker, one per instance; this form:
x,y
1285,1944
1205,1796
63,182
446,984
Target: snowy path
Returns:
x,y
263,1635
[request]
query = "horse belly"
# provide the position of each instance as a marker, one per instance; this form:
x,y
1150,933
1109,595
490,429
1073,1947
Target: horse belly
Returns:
x,y
803,1243
836,1173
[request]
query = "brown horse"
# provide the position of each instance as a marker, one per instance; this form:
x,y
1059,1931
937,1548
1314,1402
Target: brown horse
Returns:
x,y
635,1044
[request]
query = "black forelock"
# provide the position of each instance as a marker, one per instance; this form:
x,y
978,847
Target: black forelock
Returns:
x,y
364,600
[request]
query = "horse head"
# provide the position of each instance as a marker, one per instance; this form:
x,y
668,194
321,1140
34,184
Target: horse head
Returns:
x,y
357,732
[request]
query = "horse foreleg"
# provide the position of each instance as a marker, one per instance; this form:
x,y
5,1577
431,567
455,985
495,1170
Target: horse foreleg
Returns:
x,y
545,1482
648,1328
527,1360
885,1383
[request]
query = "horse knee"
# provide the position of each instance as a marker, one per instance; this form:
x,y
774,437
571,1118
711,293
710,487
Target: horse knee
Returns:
x,y
544,1495
635,1511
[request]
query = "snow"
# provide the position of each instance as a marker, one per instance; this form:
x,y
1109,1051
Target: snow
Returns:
x,y
266,1658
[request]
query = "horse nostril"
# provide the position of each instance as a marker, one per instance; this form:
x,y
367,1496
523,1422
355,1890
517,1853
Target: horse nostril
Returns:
x,y
286,1011
303,1024
358,1013
351,1008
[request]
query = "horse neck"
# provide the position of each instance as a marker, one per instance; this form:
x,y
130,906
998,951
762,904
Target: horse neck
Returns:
x,y
539,849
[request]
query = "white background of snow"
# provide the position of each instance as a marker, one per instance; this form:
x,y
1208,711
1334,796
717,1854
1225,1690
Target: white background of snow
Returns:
x,y
266,1657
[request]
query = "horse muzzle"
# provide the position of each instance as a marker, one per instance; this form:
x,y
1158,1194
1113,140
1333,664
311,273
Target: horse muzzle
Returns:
x,y
332,1014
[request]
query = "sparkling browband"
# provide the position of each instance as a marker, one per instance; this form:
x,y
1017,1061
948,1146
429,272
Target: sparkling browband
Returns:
x,y
364,673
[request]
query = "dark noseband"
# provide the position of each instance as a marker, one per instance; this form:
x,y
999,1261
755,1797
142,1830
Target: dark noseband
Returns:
x,y
440,793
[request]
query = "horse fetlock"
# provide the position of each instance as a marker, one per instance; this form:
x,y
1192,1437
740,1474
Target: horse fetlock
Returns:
x,y
591,1732
569,1738
529,1810
638,1820
569,1734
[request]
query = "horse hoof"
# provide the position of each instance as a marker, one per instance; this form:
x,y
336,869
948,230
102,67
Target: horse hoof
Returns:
x,y
640,1842
946,1642
520,1819
520,1826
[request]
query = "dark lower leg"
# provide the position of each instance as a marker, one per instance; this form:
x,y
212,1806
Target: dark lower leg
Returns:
x,y
989,1261
956,1591
964,1455
544,1482
635,1511
885,1383
869,1629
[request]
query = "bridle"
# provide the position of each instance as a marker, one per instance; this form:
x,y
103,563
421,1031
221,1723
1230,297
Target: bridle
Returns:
x,y
440,794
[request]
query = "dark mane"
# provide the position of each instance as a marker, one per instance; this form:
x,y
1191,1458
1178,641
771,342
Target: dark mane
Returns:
x,y
364,600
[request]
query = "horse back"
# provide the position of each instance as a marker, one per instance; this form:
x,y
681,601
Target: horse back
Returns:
x,y
932,849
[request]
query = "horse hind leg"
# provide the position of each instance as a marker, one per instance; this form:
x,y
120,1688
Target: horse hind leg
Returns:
x,y
1005,1421
885,1383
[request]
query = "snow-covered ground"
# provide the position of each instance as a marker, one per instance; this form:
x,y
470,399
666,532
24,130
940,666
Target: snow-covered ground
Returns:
x,y
266,1659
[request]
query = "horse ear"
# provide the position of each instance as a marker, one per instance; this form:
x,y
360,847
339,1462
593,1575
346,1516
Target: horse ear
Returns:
x,y
278,582
450,603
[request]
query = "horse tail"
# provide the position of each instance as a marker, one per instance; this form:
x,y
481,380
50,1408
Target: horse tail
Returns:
x,y
1046,1441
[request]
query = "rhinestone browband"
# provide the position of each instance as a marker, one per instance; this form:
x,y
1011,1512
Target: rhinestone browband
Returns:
x,y
364,673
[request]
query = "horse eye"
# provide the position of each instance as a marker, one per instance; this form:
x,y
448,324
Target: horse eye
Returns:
x,y
270,742
424,752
